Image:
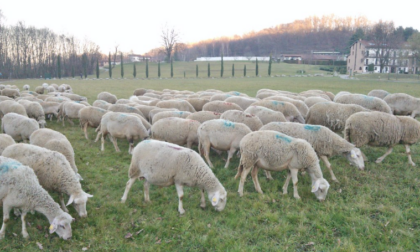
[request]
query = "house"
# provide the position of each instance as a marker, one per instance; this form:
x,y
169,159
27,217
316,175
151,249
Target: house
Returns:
x,y
138,57
396,60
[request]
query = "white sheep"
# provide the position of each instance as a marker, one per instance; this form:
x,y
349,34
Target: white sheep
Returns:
x,y
9,92
108,97
123,108
203,116
378,93
50,109
20,188
54,173
197,103
26,87
101,104
5,140
310,101
403,104
266,115
222,135
166,114
274,151
39,90
10,106
165,164
382,130
70,110
176,130
324,141
181,105
289,110
300,105
221,106
90,117
369,102
18,127
34,110
252,121
243,102
153,112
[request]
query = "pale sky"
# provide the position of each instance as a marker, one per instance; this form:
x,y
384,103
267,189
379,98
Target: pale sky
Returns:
x,y
137,25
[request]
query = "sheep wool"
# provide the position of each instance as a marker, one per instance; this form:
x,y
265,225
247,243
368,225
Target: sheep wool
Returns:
x,y
403,104
18,127
203,116
369,102
252,121
176,130
5,140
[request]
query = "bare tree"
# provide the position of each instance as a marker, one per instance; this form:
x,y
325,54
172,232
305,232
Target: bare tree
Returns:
x,y
170,38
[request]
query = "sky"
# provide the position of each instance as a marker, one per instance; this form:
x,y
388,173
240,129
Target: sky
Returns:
x,y
137,25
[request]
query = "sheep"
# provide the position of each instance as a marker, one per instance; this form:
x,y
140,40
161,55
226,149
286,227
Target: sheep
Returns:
x,y
180,166
271,150
18,127
139,92
266,115
340,94
252,121
54,86
197,103
101,104
5,140
166,114
203,116
10,106
2,87
108,97
59,99
300,105
54,173
70,110
243,102
324,94
120,125
378,93
383,130
45,85
220,97
34,110
369,102
55,141
332,115
221,106
324,141
181,105
289,110
176,130
50,109
90,116
26,87
5,98
403,104
75,97
124,109
153,112
310,101
20,188
222,135
39,90
12,93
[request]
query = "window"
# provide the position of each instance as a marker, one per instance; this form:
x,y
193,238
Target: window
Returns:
x,y
360,68
367,53
366,68
367,62
376,68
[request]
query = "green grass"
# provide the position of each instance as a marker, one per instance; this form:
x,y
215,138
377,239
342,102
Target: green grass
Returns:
x,y
372,210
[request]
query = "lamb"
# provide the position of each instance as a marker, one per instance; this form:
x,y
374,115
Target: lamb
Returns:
x,y
181,166
300,105
243,102
54,173
90,116
266,115
5,140
203,116
271,150
310,101
34,110
324,141
10,106
252,121
70,110
383,130
108,97
403,104
181,105
101,104
26,87
166,114
20,188
221,106
176,130
120,125
12,93
39,90
369,102
222,135
332,115
378,93
289,110
50,109
55,141
18,127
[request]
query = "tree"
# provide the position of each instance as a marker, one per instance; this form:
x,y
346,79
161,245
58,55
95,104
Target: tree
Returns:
x,y
122,67
134,70
233,70
196,71
172,68
414,42
72,72
256,66
59,66
371,66
169,39
97,68
159,69
109,66
244,70
147,68
85,64
208,70
357,35
221,67
269,66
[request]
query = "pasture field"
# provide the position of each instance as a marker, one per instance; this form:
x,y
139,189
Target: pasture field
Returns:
x,y
376,209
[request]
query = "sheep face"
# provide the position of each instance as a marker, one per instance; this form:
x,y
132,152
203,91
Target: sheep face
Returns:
x,y
218,200
79,203
320,188
62,225
42,123
355,157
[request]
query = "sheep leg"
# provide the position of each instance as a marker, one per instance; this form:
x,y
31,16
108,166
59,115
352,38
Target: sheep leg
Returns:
x,y
379,160
180,192
6,212
407,150
70,121
294,174
85,130
254,175
146,187
102,142
328,165
114,141
206,149
130,146
97,136
230,154
268,175
203,199
24,231
240,170
63,206
130,182
286,183
245,172
63,118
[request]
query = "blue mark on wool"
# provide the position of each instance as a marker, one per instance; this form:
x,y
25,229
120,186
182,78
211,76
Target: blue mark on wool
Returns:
x,y
122,115
284,138
236,93
179,113
131,108
229,124
312,127
77,101
368,97
277,103
6,166
145,141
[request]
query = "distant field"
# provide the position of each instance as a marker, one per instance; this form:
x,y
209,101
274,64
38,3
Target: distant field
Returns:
x,y
372,210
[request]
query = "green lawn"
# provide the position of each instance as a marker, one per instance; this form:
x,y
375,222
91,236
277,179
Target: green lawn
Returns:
x,y
373,210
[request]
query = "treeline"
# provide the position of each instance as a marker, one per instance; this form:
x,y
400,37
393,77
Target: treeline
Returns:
x,y
29,52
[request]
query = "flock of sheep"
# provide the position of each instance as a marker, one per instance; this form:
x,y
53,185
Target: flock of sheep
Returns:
x,y
268,130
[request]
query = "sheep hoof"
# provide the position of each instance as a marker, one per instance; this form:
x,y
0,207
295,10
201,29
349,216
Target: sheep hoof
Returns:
x,y
25,235
336,181
123,201
297,197
413,164
203,206
181,211
241,194
378,161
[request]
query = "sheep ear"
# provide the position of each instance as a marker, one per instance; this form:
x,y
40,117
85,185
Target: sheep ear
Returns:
x,y
215,199
353,154
53,226
315,187
70,200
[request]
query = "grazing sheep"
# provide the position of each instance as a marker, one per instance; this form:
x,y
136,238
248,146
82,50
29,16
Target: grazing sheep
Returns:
x,y
166,114
145,109
19,127
59,99
26,87
378,93
221,106
5,140
34,110
403,104
181,105
310,101
108,97
90,116
39,90
220,97
124,109
139,91
180,166
266,115
51,89
19,188
300,105
70,110
369,102
45,85
50,109
120,125
54,173
10,106
332,115
203,116
324,141
289,110
12,93
252,121
197,103
5,98
340,94
2,87
320,93
243,102
274,151
153,112
222,135
176,130
383,130
101,104
74,97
